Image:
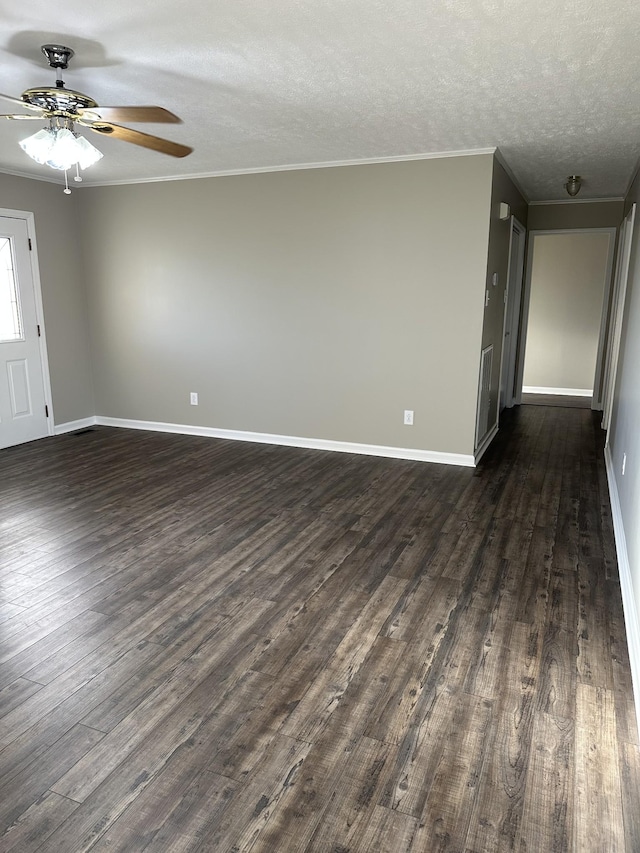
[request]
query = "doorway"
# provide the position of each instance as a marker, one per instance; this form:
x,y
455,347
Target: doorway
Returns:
x,y
24,378
512,310
616,315
565,312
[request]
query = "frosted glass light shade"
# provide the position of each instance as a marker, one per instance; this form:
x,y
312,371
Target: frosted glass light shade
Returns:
x,y
62,154
38,145
87,153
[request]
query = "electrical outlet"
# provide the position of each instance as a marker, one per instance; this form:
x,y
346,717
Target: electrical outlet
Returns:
x,y
624,462
408,417
193,398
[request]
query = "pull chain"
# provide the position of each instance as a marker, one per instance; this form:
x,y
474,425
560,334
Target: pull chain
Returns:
x,y
66,189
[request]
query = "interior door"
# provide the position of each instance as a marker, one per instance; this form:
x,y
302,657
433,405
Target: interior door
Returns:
x,y
23,414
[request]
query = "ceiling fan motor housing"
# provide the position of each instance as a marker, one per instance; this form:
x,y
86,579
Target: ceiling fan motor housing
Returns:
x,y
55,100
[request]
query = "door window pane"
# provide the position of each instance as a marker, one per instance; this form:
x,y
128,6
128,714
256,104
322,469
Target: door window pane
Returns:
x,y
10,317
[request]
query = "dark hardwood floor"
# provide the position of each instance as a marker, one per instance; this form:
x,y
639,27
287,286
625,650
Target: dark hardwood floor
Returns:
x,y
217,646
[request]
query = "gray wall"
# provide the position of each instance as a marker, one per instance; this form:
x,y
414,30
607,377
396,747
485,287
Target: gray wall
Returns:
x,y
568,278
575,214
624,433
502,189
63,295
318,303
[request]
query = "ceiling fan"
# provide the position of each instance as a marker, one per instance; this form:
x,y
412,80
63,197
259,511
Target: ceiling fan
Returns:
x,y
59,145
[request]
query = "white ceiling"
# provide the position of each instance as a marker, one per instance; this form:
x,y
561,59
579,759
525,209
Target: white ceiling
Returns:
x,y
265,83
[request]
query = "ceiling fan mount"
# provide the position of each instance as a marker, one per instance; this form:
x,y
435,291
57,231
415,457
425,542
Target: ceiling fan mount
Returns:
x,y
58,55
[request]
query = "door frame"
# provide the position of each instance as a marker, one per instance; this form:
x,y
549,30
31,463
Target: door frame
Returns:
x,y
522,340
512,309
29,218
616,313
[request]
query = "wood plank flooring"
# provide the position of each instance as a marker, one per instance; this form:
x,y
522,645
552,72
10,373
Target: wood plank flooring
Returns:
x,y
217,646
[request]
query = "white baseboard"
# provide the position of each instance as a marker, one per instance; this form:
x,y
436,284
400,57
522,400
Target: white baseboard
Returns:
x,y
72,426
486,441
565,392
295,441
628,600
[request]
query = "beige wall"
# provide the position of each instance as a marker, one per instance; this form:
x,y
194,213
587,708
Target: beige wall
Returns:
x,y
318,303
63,294
575,214
502,190
567,289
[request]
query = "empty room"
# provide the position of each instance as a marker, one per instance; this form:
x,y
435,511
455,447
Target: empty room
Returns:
x,y
319,428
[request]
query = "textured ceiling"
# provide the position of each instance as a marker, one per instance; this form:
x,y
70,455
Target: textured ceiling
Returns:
x,y
556,86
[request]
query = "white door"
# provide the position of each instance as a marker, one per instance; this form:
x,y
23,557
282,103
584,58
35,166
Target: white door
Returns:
x,y
23,414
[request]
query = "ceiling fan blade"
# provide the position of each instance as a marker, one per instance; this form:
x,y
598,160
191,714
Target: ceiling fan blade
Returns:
x,y
156,115
156,143
20,102
23,117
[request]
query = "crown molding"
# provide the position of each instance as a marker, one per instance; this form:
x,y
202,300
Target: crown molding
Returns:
x,y
54,179
259,170
576,201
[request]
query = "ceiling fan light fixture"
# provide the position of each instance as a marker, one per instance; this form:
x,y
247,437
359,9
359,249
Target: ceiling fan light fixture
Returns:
x,y
60,148
573,184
